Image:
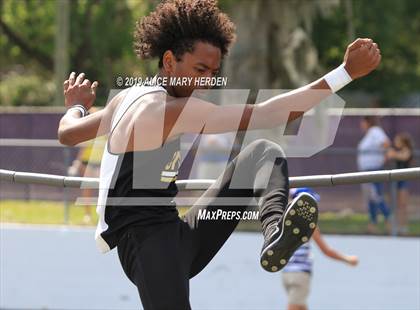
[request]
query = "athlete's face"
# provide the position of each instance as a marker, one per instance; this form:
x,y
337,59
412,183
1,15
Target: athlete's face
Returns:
x,y
204,61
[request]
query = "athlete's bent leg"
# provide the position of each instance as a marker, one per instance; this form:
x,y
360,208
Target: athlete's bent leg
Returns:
x,y
259,171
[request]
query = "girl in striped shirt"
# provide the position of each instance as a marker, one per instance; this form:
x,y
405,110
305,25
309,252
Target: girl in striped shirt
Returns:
x,y
297,273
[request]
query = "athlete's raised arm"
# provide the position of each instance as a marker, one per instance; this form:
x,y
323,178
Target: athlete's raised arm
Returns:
x,y
195,115
80,94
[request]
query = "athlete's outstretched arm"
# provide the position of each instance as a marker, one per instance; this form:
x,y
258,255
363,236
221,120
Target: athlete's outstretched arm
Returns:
x,y
74,129
195,115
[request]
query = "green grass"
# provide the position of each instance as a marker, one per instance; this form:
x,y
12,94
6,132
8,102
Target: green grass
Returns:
x,y
41,212
48,212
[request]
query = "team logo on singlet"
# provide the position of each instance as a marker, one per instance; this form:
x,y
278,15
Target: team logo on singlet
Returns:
x,y
170,173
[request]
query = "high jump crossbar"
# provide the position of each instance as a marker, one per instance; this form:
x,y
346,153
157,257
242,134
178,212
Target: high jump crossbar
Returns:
x,y
202,184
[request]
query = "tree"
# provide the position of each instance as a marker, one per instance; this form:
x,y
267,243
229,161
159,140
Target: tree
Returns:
x,y
100,42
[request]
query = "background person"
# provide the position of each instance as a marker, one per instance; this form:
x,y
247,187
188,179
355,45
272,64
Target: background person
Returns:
x,y
297,273
402,153
371,156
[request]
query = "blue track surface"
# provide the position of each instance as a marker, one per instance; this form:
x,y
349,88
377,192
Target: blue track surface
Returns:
x,y
59,268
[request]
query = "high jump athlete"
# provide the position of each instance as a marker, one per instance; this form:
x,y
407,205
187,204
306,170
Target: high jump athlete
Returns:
x,y
159,251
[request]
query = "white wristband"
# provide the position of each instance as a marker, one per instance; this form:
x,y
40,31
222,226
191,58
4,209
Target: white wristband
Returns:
x,y
83,111
337,78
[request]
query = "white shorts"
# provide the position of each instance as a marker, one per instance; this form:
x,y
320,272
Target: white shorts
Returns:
x,y
297,285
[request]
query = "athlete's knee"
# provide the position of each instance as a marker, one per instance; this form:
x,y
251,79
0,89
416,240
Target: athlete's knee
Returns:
x,y
268,148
